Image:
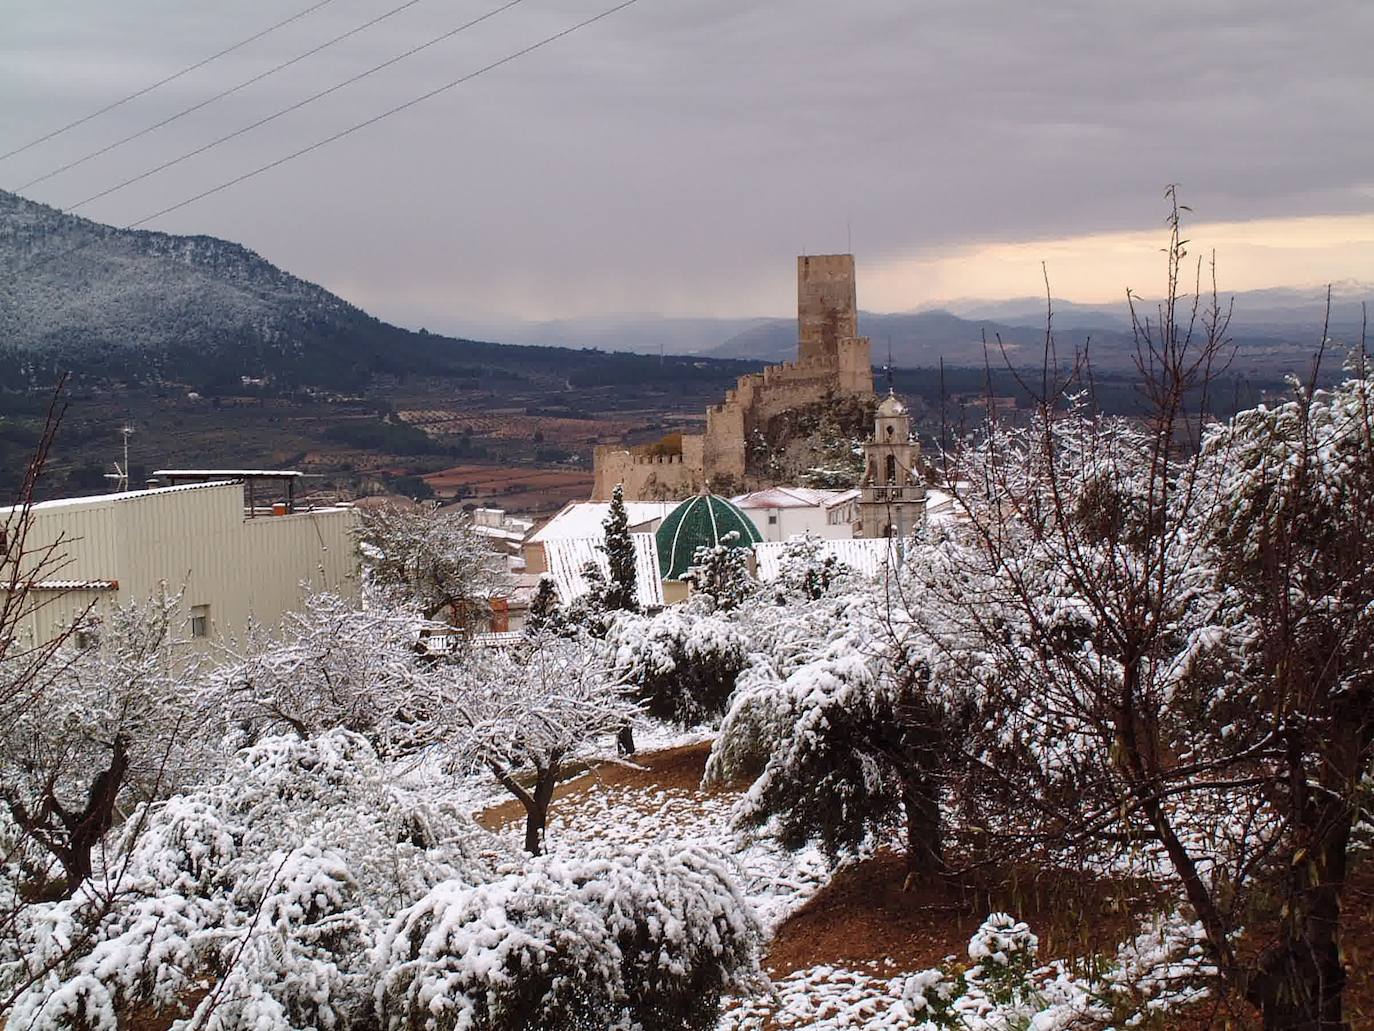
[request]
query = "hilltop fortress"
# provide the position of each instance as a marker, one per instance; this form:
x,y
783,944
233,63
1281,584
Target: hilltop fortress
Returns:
x,y
832,359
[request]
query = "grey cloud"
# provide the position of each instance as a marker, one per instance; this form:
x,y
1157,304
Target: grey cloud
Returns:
x,y
674,157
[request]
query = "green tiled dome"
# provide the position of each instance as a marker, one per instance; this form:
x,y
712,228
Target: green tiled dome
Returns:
x,y
698,522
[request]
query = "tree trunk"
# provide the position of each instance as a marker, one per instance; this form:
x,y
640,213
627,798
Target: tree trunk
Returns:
x,y
625,740
537,809
86,828
925,851
1301,979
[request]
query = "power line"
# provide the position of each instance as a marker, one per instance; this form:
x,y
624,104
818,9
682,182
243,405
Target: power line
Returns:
x,y
218,96
388,113
50,257
296,106
162,82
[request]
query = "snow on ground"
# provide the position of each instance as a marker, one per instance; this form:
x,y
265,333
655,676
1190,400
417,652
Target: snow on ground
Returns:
x,y
775,881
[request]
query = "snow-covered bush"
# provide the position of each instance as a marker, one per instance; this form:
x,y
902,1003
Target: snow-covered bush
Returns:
x,y
719,575
680,664
265,886
807,571
331,664
648,938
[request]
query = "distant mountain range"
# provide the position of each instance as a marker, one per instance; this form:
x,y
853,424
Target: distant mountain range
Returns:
x,y
1276,330
139,306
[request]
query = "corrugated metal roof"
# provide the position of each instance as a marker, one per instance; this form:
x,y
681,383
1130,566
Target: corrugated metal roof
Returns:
x,y
128,495
869,556
567,556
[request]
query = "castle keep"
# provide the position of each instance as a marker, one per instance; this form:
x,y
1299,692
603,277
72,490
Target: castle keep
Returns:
x,y
831,359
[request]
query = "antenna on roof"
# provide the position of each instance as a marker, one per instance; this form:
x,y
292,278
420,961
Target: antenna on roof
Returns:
x,y
121,473
890,388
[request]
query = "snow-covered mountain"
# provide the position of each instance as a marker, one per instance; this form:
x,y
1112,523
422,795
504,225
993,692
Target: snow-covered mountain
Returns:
x,y
69,282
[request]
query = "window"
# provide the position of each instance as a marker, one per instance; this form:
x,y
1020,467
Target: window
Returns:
x,y
200,620
891,469
772,519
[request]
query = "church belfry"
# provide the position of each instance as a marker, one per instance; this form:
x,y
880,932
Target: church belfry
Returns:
x,y
893,499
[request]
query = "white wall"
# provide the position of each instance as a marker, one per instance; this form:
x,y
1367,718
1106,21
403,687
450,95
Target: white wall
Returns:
x,y
778,524
199,538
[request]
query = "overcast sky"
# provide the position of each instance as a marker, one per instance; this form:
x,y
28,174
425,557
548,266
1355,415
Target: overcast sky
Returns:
x,y
676,156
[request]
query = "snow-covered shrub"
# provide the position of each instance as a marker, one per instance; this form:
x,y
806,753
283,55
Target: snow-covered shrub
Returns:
x,y
807,571
719,575
332,664
264,888
1003,951
680,664
650,937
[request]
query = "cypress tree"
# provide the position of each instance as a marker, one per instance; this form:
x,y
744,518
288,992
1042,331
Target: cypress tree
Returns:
x,y
621,594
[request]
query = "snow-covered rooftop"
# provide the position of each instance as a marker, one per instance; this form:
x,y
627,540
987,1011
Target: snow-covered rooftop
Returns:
x,y
567,556
584,518
866,555
793,497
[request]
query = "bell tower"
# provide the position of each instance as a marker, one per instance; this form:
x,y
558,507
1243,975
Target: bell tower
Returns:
x,y
893,499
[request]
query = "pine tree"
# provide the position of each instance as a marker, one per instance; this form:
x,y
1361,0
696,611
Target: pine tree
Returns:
x,y
543,613
621,591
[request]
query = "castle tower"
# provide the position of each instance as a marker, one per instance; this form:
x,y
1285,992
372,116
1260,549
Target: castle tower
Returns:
x,y
827,304
892,499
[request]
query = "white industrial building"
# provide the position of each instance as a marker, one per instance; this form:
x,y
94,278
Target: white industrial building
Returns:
x,y
233,560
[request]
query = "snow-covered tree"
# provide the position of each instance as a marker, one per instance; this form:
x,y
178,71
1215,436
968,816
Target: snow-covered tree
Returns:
x,y
523,716
430,560
1171,648
719,574
114,724
543,614
331,664
841,733
681,664
1294,633
621,586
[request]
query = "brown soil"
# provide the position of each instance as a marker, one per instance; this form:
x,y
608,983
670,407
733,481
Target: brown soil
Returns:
x,y
866,916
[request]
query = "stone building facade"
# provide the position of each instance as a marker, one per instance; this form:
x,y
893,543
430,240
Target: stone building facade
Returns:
x,y
831,359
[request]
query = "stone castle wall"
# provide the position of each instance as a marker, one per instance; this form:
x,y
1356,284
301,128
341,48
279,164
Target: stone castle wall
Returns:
x,y
832,358
649,477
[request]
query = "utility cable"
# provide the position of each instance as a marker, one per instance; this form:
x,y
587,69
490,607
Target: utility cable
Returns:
x,y
389,112
162,82
296,106
50,257
218,96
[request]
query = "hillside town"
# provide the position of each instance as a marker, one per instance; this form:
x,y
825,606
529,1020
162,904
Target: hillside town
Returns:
x,y
607,515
